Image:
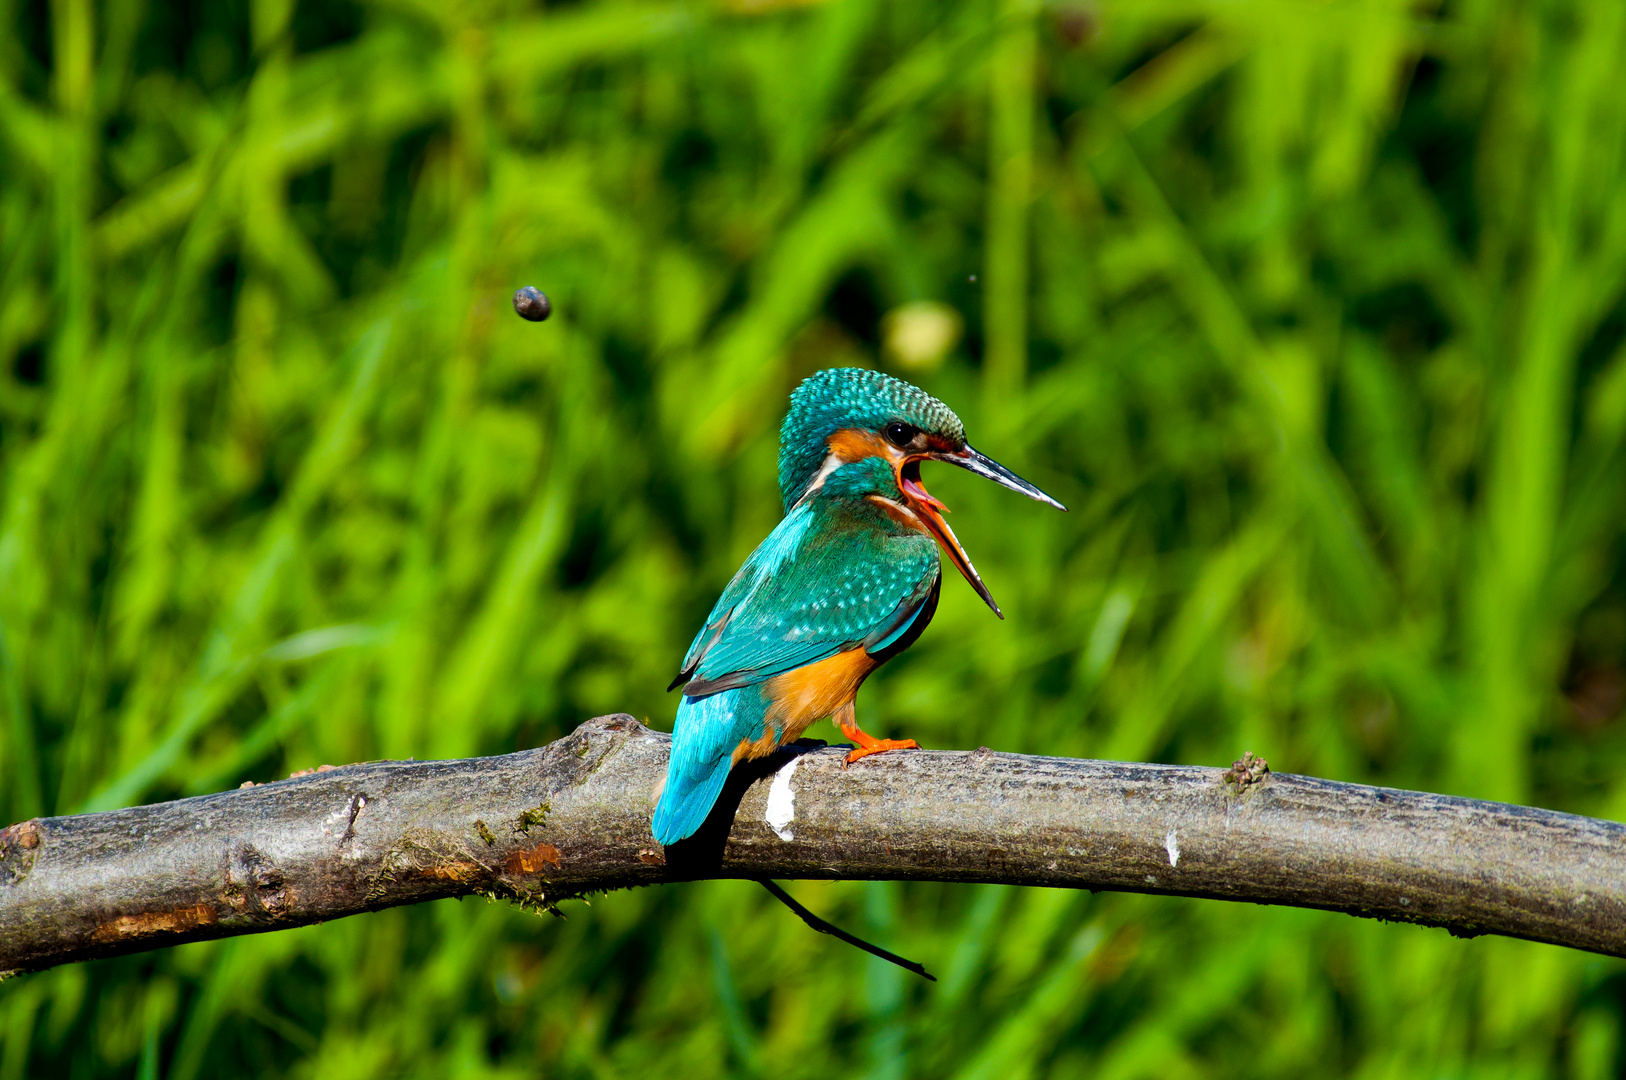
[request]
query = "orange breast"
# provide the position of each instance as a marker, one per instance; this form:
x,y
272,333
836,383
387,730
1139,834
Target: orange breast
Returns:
x,y
797,698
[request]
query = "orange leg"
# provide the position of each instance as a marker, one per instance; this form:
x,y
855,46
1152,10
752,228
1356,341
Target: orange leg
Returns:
x,y
847,720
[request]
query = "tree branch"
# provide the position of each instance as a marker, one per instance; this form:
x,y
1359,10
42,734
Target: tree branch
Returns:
x,y
573,817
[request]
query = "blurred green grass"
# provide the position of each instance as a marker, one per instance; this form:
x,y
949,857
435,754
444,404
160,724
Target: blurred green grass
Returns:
x,y
1311,311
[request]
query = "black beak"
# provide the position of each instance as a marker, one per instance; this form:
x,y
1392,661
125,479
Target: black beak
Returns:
x,y
984,466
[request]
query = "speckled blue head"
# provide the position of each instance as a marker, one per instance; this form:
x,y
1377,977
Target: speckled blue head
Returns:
x,y
852,398
856,432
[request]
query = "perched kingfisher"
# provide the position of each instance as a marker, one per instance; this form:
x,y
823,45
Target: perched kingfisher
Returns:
x,y
845,582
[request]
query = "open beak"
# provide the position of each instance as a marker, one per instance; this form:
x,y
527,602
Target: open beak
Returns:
x,y
984,466
931,511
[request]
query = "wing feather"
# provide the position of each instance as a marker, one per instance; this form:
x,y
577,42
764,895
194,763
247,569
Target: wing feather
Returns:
x,y
812,589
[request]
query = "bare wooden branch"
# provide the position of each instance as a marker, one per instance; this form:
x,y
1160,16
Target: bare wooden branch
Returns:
x,y
573,817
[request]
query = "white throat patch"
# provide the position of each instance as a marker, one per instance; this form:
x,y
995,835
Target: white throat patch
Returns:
x,y
831,464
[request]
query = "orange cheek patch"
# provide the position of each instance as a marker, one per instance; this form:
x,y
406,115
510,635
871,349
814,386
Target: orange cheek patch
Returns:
x,y
851,444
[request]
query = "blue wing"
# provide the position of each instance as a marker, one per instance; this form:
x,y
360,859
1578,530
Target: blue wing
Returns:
x,y
770,556
816,586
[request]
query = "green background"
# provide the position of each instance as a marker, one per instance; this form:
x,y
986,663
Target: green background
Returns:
x,y
1312,312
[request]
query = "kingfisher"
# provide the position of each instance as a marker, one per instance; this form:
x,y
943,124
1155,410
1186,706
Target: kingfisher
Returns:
x,y
847,580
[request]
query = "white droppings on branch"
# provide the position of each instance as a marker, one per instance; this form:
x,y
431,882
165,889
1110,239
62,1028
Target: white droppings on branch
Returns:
x,y
782,801
1171,844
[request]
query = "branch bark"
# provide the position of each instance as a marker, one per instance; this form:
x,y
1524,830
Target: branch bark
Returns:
x,y
573,817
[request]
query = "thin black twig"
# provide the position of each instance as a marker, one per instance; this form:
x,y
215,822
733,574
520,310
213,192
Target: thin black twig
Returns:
x,y
835,931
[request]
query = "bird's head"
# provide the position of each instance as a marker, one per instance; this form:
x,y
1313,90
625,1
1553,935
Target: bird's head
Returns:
x,y
845,424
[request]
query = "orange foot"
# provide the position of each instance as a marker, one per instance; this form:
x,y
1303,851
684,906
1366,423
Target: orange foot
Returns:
x,y
869,744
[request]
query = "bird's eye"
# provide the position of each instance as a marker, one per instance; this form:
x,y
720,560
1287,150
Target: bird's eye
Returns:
x,y
900,434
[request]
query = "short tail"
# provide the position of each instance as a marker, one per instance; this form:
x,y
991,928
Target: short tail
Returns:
x,y
686,802
703,741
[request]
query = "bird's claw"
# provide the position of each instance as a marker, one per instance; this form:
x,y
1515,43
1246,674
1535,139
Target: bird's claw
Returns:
x,y
879,746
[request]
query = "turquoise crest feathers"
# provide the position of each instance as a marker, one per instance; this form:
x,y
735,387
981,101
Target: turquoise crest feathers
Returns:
x,y
839,398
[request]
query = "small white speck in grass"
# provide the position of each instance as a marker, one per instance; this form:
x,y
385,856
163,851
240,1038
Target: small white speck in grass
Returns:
x,y
1171,843
782,802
